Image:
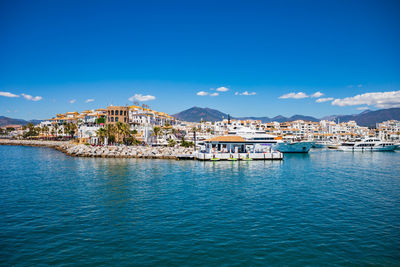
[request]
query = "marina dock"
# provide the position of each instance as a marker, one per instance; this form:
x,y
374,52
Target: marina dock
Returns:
x,y
238,156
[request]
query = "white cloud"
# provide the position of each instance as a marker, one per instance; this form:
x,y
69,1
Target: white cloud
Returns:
x,y
8,94
359,85
72,101
317,94
214,94
202,93
32,98
321,100
245,93
222,89
141,98
298,95
379,99
88,100
362,108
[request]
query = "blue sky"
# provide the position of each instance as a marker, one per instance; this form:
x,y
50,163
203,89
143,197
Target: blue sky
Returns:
x,y
55,52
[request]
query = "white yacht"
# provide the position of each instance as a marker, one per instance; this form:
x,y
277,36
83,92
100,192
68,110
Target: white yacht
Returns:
x,y
368,144
294,147
274,142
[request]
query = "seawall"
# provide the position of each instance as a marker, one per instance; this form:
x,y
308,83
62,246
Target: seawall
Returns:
x,y
76,150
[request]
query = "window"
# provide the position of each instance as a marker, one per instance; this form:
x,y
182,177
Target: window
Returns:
x,y
112,119
116,119
120,112
124,119
112,112
108,119
125,113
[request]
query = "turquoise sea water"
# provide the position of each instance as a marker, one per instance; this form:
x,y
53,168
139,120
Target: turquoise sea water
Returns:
x,y
327,208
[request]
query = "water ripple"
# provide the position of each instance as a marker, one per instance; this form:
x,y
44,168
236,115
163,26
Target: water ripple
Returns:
x,y
325,208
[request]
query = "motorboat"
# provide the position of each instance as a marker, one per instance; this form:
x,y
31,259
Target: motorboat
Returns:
x,y
322,144
368,144
294,147
274,142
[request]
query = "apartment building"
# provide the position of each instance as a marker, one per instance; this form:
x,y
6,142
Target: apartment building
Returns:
x,y
117,114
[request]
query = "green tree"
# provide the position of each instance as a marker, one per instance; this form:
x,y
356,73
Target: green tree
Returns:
x,y
30,126
185,143
110,133
171,142
122,130
156,132
55,127
72,127
101,133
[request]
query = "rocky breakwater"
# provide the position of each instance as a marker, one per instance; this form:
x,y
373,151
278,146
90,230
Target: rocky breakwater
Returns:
x,y
81,150
126,151
43,143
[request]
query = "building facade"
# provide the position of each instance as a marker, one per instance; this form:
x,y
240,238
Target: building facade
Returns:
x,y
117,114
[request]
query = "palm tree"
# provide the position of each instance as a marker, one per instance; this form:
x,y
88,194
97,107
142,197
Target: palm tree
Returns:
x,y
30,126
101,133
156,132
194,130
126,131
122,130
110,131
119,130
45,130
66,128
72,127
36,130
56,128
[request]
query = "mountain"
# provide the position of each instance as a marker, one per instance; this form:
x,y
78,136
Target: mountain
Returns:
x,y
370,118
195,114
10,121
302,117
366,118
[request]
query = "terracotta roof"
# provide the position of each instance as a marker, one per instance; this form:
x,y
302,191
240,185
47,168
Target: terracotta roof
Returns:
x,y
233,138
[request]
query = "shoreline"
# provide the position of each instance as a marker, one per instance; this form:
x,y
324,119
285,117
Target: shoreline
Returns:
x,y
80,150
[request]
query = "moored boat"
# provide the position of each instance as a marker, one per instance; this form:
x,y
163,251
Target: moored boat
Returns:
x,y
294,147
368,144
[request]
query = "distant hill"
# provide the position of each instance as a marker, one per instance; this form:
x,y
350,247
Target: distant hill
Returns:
x,y
366,118
370,118
10,121
280,118
196,114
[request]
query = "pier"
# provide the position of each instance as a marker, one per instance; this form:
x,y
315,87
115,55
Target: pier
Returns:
x,y
239,156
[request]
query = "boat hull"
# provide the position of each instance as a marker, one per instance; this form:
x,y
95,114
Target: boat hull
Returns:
x,y
319,145
367,149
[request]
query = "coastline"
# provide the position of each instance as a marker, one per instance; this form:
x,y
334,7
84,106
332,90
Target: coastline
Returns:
x,y
80,150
